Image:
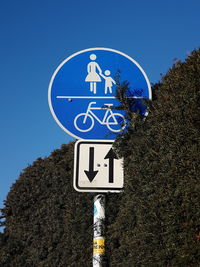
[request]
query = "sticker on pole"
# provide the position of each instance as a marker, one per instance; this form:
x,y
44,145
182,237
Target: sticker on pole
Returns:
x,y
97,168
82,92
99,246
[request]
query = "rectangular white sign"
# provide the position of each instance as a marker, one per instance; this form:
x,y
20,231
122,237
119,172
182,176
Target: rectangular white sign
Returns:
x,y
97,168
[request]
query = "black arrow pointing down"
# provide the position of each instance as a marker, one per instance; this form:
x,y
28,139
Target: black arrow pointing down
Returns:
x,y
91,173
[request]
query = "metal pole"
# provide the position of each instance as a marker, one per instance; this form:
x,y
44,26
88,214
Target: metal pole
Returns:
x,y
99,231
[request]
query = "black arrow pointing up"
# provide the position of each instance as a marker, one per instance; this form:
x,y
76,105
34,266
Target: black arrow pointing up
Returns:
x,y
111,156
91,173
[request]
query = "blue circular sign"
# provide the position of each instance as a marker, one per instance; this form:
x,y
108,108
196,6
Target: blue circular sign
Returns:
x,y
82,92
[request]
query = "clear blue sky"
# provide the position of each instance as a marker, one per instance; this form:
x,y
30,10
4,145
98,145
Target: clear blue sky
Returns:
x,y
37,35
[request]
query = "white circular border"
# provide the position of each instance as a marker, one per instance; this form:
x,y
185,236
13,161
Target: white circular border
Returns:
x,y
80,52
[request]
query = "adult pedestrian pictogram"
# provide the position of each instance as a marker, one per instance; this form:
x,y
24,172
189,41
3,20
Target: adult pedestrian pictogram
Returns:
x,y
82,92
93,77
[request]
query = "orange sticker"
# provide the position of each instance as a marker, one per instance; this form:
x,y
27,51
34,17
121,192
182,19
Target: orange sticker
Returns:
x,y
99,246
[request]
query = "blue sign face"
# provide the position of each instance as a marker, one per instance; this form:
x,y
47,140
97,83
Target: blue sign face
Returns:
x,y
82,92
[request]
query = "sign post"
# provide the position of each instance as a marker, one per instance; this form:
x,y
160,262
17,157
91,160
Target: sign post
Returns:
x,y
82,100
97,169
99,231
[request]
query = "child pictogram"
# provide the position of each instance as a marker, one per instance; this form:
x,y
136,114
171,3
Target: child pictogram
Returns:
x,y
108,81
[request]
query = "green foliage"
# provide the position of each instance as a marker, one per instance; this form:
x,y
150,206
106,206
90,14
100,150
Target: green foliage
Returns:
x,y
47,222
162,176
154,222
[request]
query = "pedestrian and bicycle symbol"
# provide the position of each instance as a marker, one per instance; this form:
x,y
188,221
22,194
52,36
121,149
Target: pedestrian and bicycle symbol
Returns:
x,y
82,92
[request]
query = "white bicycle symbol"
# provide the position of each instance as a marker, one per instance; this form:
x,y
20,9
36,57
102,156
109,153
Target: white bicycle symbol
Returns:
x,y
114,121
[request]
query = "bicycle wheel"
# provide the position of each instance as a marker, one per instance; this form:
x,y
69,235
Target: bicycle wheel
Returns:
x,y
116,122
85,124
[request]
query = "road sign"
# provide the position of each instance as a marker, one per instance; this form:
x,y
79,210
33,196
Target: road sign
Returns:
x,y
82,92
97,168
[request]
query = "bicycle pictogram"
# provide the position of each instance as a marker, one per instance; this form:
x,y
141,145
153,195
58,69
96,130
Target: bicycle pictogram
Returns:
x,y
84,122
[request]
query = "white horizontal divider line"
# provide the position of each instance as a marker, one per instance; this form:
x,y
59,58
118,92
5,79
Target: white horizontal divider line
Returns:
x,y
98,97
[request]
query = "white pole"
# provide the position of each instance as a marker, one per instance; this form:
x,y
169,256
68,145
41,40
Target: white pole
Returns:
x,y
99,231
